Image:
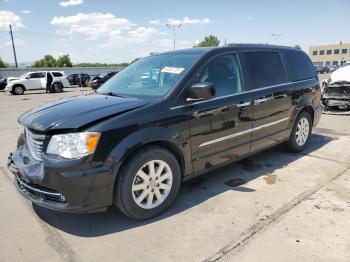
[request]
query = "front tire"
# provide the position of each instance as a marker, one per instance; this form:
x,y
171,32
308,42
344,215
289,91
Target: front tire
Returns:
x,y
148,183
18,90
301,133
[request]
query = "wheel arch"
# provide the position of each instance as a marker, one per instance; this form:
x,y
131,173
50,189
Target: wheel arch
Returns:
x,y
305,105
156,136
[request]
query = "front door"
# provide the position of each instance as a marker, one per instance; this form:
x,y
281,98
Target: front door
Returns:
x,y
220,128
33,81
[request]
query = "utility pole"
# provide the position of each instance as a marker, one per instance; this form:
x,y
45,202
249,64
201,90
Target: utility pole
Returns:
x,y
13,46
173,27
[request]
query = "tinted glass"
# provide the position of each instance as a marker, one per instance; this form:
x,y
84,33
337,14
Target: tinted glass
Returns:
x,y
336,51
36,75
224,73
322,52
314,53
149,77
344,51
329,52
300,65
57,74
266,68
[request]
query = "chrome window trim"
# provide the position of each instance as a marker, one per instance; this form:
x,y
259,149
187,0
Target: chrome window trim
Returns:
x,y
242,132
244,92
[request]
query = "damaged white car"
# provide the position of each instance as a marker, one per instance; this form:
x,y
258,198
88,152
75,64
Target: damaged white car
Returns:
x,y
336,90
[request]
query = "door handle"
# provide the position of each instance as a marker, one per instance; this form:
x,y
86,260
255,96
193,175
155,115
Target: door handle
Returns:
x,y
262,100
243,104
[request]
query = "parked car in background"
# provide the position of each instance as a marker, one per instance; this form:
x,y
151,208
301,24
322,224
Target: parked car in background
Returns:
x,y
3,83
322,69
97,81
332,68
134,140
81,80
36,81
336,90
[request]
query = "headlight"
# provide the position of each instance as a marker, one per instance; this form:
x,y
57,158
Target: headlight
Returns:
x,y
73,145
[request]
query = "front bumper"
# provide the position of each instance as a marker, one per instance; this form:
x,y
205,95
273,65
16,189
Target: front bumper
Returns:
x,y
8,88
76,186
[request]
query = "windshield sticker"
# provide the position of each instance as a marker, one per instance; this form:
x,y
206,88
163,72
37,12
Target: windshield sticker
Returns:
x,y
172,70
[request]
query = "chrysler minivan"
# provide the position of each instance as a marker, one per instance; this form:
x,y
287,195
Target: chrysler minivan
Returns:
x,y
163,120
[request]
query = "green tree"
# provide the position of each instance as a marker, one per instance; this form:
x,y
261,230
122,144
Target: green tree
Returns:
x,y
47,61
210,40
3,64
134,60
64,61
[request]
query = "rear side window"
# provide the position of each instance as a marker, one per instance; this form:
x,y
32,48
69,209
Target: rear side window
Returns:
x,y
266,68
300,65
57,74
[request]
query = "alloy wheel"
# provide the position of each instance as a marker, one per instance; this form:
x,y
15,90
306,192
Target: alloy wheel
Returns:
x,y
302,131
18,90
152,184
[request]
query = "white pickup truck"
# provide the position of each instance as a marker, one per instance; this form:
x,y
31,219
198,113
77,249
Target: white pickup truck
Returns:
x,y
35,81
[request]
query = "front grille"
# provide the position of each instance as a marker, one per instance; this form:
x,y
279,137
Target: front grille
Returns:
x,y
341,90
35,144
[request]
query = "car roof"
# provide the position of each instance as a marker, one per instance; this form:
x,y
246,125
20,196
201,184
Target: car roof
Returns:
x,y
238,46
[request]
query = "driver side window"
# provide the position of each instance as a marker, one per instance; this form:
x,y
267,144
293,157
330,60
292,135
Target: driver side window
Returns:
x,y
224,72
34,75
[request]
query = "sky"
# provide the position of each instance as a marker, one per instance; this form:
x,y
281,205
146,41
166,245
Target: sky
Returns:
x,y
119,31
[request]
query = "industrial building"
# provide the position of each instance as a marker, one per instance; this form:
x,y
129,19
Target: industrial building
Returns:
x,y
330,54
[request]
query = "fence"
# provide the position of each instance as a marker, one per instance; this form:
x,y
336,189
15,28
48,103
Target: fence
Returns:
x,y
92,71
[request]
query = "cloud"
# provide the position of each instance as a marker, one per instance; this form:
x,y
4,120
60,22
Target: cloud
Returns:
x,y
187,20
92,25
26,12
71,3
155,22
142,32
18,42
105,28
248,18
8,17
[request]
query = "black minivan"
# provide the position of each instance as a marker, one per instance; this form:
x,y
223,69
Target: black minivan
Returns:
x,y
163,120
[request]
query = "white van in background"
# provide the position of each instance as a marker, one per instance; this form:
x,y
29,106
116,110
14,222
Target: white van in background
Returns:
x,y
36,81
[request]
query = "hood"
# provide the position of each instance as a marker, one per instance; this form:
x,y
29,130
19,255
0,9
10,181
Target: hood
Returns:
x,y
341,74
11,79
77,112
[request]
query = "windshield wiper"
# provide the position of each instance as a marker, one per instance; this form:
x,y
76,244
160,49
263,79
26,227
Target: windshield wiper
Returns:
x,y
112,94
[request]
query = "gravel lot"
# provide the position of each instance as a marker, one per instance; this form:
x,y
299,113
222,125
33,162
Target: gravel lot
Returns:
x,y
293,207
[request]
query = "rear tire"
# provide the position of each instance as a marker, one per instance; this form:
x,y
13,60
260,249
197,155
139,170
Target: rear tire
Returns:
x,y
57,87
301,133
148,183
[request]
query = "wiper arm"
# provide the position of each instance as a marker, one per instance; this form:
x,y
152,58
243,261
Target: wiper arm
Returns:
x,y
112,94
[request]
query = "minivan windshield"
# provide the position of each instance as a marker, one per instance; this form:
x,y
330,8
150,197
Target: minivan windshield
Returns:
x,y
150,77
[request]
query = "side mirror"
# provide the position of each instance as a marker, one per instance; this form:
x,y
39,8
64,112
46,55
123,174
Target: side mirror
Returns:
x,y
201,91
